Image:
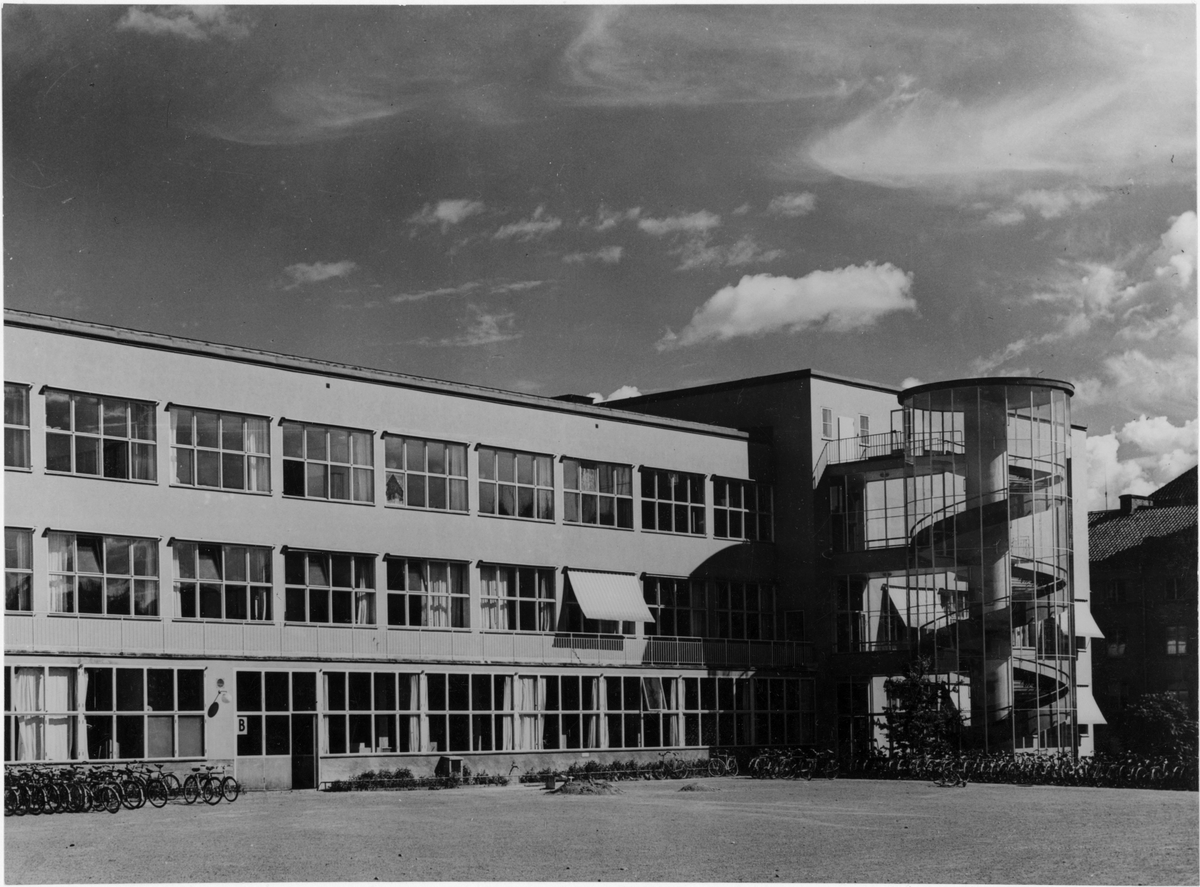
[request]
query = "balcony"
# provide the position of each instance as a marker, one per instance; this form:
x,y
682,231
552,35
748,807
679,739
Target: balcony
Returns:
x,y
41,633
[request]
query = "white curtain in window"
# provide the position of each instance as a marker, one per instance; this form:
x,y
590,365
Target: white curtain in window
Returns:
x,y
423,718
258,469
671,685
546,602
529,732
506,705
27,697
58,725
602,707
591,721
438,611
81,688
364,608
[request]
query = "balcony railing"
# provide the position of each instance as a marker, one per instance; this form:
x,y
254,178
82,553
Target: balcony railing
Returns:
x,y
40,633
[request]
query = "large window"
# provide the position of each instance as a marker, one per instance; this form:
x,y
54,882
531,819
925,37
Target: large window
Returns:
x,y
144,713
672,501
826,423
469,712
216,581
371,712
679,607
426,473
221,450
745,611
268,702
41,721
16,426
515,484
783,711
598,493
18,569
100,436
868,619
1177,640
328,463
429,594
328,588
110,575
517,598
741,510
570,711
642,712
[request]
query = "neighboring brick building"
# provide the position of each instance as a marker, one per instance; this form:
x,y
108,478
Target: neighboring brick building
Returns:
x,y
1143,577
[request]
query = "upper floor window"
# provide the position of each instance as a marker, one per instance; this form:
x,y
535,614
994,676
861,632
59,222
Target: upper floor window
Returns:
x,y
223,581
598,493
517,598
741,510
100,436
864,426
430,594
328,463
18,569
515,484
1116,591
1177,640
679,606
826,423
672,502
324,587
110,575
16,426
426,473
1116,642
745,610
222,450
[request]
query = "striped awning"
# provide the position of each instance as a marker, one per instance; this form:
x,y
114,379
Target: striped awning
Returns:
x,y
1086,709
609,596
1085,625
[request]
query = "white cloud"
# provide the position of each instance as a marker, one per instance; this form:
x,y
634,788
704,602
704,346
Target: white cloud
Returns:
x,y
1011,216
1049,203
1179,247
1155,451
699,253
301,274
792,205
741,210
910,382
445,213
838,300
483,328
537,225
1139,382
691,223
622,392
188,22
608,218
421,295
609,255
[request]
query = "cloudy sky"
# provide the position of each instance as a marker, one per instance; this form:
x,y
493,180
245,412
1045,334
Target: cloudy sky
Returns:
x,y
576,199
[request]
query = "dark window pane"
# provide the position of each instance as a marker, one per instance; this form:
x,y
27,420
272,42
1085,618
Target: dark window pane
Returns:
x,y
91,594
304,691
232,437
116,419
293,440
206,429
279,735
210,601
87,455
341,609
276,696
160,689
395,605
235,602
58,452
233,471
249,691
130,737
129,690
294,609
208,468
359,691
58,410
191,689
251,743
100,689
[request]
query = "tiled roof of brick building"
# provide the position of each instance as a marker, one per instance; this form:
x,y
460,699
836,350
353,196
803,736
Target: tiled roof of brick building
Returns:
x,y
1174,511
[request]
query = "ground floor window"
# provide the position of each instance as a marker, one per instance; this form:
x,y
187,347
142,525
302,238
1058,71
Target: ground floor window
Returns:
x,y
266,701
144,712
371,712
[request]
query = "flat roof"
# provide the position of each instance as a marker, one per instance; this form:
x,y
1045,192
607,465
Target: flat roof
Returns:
x,y
990,381
759,381
163,342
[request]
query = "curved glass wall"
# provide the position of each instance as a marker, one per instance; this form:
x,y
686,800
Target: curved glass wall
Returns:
x,y
988,586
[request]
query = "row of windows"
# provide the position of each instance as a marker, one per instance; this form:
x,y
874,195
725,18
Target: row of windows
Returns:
x,y
388,712
119,576
107,437
1116,591
827,429
1175,638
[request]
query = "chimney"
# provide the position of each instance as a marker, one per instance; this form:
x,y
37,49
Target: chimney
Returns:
x,y
1131,503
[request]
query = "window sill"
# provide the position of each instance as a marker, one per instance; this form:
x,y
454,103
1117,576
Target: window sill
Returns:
x,y
567,523
264,493
458,628
105,616
544,521
329,501
200,620
117,480
18,612
420,510
22,469
675,533
343,625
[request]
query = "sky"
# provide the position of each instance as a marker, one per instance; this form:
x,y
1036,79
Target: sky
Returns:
x,y
573,199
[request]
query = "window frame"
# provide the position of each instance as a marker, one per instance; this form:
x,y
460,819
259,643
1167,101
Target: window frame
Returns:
x,y
18,571
337,596
662,595
306,462
221,453
655,506
448,482
458,603
576,498
222,585
724,509
74,436
864,426
542,605
826,423
152,581
541,494
119,714
338,709
16,431
1177,640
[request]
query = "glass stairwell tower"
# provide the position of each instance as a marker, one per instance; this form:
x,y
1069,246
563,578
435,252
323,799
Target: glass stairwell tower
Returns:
x,y
988,580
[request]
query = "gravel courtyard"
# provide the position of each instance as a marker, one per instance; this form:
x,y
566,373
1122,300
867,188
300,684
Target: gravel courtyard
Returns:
x,y
740,830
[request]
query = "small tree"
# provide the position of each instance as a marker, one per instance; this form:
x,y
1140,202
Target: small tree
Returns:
x,y
1158,724
921,717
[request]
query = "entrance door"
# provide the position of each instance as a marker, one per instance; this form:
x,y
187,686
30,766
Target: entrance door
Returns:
x,y
304,751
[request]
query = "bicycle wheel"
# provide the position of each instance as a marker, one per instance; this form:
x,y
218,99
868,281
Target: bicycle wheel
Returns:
x,y
156,793
132,795
110,798
715,768
35,800
10,802
191,790
210,791
173,785
731,767
230,789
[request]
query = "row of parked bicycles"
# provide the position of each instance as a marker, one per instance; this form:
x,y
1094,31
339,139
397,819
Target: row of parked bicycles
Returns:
x,y
1127,771
794,763
34,789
